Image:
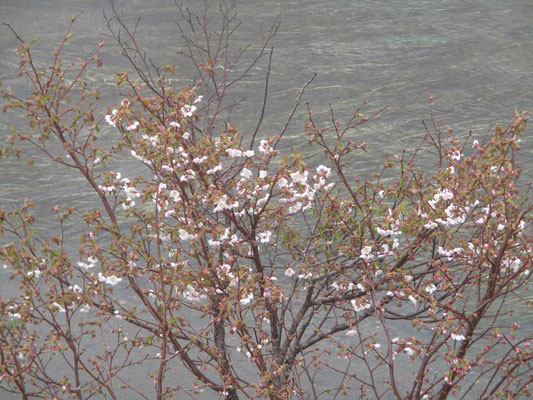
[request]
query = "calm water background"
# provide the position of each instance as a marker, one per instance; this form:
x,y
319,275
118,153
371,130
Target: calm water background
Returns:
x,y
475,57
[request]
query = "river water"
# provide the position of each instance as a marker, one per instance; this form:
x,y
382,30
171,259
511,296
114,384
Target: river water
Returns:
x,y
475,57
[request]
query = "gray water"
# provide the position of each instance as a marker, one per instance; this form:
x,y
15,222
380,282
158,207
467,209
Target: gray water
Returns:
x,y
475,57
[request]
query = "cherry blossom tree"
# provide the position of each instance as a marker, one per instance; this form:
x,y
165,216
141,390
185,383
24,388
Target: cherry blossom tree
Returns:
x,y
226,265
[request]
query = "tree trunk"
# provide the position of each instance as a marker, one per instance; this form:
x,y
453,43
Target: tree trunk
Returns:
x,y
232,395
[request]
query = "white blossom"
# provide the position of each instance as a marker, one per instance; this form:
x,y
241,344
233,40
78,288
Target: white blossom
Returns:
x,y
457,337
431,225
247,299
431,289
360,306
264,147
289,272
446,195
91,262
192,294
214,243
456,155
110,280
133,126
222,204
322,169
184,235
366,253
234,152
110,118
309,275
283,183
199,160
77,289
128,204
136,156
298,177
295,208
214,169
246,173
59,307
174,195
36,273
187,110
264,237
